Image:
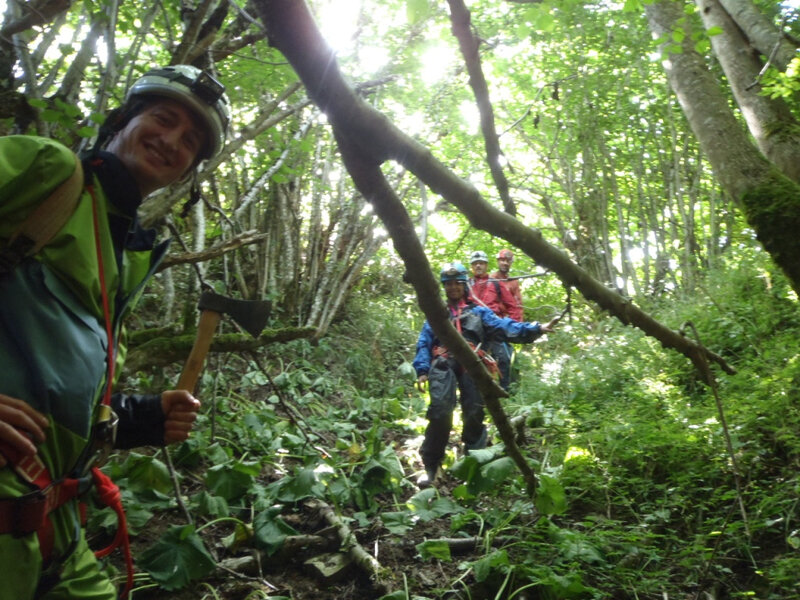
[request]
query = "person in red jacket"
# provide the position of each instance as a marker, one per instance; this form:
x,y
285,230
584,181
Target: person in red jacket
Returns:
x,y
505,258
492,293
497,298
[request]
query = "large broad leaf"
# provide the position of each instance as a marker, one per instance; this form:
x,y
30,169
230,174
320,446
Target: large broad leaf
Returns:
x,y
177,558
211,506
303,484
270,531
230,481
146,473
429,505
397,522
550,496
483,567
434,549
495,473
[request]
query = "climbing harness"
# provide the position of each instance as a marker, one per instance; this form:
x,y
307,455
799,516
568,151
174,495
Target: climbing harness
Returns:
x,y
30,513
488,361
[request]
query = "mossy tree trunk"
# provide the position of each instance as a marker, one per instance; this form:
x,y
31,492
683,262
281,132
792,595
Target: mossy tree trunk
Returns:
x,y
769,198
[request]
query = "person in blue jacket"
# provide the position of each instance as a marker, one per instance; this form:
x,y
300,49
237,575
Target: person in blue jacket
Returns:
x,y
62,304
448,381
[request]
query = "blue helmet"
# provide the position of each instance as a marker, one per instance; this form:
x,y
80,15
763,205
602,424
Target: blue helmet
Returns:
x,y
454,271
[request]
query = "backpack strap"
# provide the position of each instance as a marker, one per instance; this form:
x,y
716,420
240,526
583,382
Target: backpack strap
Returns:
x,y
44,222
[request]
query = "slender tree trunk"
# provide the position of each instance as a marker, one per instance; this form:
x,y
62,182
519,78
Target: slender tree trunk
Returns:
x,y
761,32
770,200
769,119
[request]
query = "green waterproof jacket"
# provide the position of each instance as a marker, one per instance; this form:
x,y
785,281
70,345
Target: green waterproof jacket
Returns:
x,y
53,342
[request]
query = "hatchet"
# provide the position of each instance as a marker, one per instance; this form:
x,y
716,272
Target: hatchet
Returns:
x,y
250,315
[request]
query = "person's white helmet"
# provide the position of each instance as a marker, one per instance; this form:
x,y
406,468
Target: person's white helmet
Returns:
x,y
478,255
198,91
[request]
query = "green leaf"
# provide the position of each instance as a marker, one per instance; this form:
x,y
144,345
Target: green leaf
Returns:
x,y
211,506
550,496
177,558
229,481
428,505
301,485
702,46
496,472
37,102
545,22
49,115
146,473
416,10
483,567
715,30
87,132
398,595
632,6
434,549
466,469
399,523
270,531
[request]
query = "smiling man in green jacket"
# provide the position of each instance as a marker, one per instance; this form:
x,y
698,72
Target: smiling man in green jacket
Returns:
x,y
61,310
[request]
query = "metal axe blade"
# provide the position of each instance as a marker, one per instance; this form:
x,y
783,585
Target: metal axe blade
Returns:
x,y
250,315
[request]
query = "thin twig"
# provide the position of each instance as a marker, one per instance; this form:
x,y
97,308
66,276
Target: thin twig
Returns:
x,y
176,485
712,383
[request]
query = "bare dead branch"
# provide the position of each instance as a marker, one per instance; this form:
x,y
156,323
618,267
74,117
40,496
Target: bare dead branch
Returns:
x,y
292,30
461,26
215,251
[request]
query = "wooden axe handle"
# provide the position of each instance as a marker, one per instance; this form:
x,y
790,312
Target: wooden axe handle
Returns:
x,y
194,364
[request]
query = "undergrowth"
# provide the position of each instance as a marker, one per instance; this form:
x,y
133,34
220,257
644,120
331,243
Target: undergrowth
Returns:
x,y
637,494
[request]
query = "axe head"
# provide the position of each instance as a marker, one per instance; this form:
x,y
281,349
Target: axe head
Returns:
x,y
250,315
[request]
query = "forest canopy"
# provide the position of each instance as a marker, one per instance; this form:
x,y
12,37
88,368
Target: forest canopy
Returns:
x,y
642,161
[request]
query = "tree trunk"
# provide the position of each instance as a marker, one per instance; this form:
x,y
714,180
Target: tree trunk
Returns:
x,y
761,32
770,200
769,119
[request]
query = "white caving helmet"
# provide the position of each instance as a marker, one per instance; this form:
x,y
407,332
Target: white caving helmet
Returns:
x,y
196,89
478,255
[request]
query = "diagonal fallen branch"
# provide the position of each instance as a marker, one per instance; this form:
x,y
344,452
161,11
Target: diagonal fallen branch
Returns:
x,y
292,30
350,545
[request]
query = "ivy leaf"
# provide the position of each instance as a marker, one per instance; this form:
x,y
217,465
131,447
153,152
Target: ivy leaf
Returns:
x,y
270,531
632,6
303,484
483,567
434,549
429,506
146,473
230,481
550,496
49,115
177,558
87,132
211,506
399,523
495,473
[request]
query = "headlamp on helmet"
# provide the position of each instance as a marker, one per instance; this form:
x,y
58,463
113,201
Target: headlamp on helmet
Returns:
x,y
454,271
478,255
195,89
